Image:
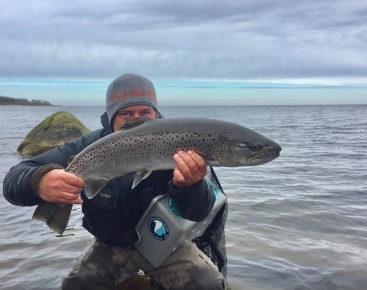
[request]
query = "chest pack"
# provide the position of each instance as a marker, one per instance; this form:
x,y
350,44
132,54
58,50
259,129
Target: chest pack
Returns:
x,y
162,230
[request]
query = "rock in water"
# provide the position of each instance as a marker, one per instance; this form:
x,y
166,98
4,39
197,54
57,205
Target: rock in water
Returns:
x,y
53,131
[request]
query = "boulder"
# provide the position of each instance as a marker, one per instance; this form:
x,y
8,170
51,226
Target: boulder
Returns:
x,y
53,131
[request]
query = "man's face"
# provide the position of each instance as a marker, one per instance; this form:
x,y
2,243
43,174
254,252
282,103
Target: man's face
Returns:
x,y
142,111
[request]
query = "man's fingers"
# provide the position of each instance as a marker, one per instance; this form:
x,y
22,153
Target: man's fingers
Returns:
x,y
178,177
191,168
59,186
69,196
67,201
73,180
199,161
72,189
185,163
191,163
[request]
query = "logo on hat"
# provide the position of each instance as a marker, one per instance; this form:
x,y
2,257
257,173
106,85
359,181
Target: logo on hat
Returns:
x,y
133,93
158,228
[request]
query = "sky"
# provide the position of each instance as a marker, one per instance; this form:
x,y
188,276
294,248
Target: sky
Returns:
x,y
210,52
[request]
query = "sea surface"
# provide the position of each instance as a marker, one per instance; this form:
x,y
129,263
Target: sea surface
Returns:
x,y
298,222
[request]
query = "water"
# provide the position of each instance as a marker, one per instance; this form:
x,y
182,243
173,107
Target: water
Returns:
x,y
299,222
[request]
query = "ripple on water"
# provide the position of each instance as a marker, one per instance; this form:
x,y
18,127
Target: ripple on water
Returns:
x,y
298,222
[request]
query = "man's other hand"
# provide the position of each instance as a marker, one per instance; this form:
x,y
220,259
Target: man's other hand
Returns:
x,y
191,168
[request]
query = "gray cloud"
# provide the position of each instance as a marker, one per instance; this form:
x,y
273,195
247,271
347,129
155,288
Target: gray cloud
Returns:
x,y
230,40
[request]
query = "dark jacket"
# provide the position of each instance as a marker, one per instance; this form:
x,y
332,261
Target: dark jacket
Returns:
x,y
113,213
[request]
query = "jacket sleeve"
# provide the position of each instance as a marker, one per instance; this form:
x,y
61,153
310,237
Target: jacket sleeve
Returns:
x,y
17,187
194,202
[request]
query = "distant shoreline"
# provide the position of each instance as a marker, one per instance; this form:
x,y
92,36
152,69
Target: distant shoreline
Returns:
x,y
6,101
30,105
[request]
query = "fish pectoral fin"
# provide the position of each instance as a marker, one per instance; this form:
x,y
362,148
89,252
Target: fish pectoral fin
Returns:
x,y
139,176
56,216
92,187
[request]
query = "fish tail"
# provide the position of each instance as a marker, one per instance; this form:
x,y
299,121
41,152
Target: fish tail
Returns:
x,y
56,216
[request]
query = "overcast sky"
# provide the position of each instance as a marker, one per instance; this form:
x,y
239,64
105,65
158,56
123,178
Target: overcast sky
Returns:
x,y
248,52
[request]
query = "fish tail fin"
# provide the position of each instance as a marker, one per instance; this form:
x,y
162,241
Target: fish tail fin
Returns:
x,y
56,216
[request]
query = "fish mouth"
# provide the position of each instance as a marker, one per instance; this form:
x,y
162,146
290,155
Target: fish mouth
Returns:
x,y
268,154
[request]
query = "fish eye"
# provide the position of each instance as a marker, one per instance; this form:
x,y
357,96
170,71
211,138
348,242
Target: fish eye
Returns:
x,y
254,146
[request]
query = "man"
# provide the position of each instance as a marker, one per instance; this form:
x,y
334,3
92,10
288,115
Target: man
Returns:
x,y
112,215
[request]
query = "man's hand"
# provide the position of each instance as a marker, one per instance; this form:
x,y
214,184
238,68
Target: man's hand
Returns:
x,y
191,168
58,186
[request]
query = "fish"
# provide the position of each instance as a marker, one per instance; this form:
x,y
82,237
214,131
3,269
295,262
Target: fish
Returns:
x,y
143,145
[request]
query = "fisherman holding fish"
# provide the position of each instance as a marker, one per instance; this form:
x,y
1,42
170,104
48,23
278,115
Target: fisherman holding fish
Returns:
x,y
117,172
113,213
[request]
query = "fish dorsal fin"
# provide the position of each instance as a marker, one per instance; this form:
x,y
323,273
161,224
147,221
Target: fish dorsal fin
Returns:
x,y
133,122
70,159
139,176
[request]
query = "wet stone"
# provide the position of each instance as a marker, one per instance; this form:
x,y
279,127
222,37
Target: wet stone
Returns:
x,y
53,131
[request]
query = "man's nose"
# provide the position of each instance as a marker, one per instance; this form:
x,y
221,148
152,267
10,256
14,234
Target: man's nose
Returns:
x,y
136,114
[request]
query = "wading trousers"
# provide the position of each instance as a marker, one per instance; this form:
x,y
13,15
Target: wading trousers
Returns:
x,y
101,267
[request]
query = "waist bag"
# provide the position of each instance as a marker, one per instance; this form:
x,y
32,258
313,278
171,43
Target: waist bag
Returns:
x,y
162,230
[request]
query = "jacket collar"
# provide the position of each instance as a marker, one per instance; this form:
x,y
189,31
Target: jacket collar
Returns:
x,y
106,124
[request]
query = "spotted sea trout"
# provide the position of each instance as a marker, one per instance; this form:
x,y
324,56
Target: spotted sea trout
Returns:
x,y
146,145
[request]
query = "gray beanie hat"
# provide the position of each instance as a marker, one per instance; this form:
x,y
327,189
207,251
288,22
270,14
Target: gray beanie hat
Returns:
x,y
129,90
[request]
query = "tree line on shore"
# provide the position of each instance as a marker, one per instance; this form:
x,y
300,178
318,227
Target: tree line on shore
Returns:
x,y
24,102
